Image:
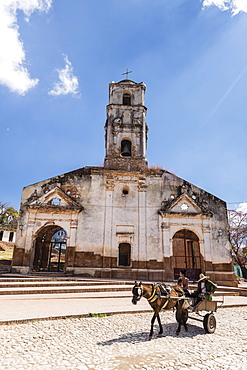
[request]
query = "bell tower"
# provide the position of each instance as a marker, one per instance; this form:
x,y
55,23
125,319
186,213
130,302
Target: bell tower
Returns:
x,y
126,128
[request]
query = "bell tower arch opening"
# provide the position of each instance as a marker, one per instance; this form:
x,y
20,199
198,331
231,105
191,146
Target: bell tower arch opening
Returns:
x,y
186,254
126,99
126,148
50,249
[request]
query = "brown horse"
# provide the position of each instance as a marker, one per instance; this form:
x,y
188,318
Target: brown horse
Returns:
x,y
161,297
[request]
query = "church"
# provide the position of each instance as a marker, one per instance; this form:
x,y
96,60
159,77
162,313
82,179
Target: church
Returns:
x,y
125,220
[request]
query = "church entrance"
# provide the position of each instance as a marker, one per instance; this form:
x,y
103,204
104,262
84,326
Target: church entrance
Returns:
x,y
186,254
50,249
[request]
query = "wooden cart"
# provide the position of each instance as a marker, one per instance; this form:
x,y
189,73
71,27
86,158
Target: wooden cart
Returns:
x,y
208,319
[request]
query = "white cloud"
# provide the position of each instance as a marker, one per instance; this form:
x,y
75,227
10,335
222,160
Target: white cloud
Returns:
x,y
13,70
68,83
242,207
235,6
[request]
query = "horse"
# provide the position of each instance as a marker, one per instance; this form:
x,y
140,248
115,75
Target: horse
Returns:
x,y
160,297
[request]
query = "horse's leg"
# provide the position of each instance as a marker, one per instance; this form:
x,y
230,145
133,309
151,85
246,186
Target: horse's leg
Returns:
x,y
160,325
179,328
152,326
179,317
184,314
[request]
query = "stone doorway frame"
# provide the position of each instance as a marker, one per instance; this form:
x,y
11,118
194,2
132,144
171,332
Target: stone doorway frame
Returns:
x,y
42,247
190,259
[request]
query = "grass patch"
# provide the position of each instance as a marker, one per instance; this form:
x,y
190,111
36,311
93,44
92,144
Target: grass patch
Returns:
x,y
97,315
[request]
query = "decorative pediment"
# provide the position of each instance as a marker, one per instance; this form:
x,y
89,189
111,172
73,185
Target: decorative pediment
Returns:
x,y
185,205
55,198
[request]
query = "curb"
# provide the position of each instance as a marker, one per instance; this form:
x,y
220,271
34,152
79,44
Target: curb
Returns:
x,y
91,315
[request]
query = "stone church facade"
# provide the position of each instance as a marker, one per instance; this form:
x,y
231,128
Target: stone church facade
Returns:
x,y
123,220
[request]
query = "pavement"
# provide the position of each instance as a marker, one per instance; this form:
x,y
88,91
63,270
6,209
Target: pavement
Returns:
x,y
29,307
121,342
111,342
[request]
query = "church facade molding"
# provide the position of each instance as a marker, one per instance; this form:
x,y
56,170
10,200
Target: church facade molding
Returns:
x,y
124,220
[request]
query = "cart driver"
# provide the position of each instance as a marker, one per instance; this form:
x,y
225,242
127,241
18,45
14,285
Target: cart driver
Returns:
x,y
205,289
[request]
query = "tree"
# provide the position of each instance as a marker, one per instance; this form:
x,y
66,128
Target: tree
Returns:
x,y
7,214
238,237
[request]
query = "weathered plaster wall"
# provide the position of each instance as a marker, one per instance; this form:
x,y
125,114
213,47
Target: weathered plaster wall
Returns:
x,y
108,216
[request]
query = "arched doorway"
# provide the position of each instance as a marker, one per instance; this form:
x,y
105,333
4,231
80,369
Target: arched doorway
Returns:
x,y
50,249
186,254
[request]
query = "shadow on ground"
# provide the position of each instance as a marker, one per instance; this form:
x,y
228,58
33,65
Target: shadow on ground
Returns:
x,y
169,331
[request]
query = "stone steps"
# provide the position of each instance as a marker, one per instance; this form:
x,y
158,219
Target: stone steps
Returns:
x,y
42,285
53,284
58,290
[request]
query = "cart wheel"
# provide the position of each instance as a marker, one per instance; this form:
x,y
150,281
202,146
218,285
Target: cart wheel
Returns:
x,y
209,323
186,314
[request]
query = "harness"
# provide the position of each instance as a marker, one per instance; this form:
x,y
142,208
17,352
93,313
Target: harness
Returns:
x,y
165,304
157,293
154,294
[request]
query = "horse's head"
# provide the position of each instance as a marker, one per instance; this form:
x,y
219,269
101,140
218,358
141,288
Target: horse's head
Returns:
x,y
137,292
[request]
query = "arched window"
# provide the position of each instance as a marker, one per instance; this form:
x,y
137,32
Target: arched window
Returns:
x,y
124,254
126,148
126,99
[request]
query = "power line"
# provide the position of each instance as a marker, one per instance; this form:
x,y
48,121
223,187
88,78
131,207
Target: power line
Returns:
x,y
244,201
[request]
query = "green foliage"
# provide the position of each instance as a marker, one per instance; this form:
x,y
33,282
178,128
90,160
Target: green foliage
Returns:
x,y
97,315
7,214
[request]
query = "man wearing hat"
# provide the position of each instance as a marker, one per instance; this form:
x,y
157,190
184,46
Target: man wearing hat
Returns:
x,y
205,289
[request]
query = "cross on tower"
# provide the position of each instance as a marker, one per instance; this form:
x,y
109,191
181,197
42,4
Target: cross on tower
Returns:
x,y
126,73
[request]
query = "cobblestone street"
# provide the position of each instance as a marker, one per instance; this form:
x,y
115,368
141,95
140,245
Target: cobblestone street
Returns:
x,y
121,342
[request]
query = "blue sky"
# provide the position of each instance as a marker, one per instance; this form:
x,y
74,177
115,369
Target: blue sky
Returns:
x,y
57,58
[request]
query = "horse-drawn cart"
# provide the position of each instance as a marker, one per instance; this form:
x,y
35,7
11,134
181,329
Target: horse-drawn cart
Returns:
x,y
161,297
209,320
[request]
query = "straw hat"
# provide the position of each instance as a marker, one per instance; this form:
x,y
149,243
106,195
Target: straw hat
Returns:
x,y
202,277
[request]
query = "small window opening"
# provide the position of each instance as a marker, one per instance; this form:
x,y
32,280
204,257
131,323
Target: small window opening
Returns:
x,y
126,148
68,192
172,196
124,254
126,99
125,191
55,201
